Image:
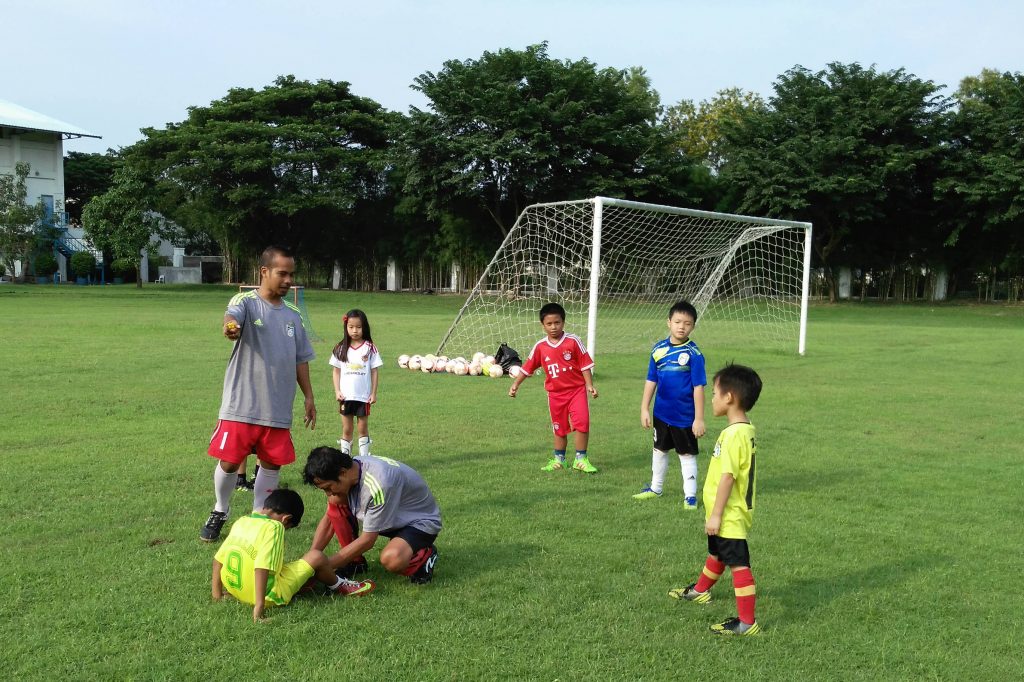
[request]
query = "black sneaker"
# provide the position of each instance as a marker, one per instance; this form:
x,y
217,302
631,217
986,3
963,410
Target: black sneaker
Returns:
x,y
736,628
353,569
425,573
244,484
211,531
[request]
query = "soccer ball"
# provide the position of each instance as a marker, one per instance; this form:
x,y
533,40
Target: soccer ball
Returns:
x,y
428,364
496,371
475,369
488,360
450,366
415,362
403,361
514,371
461,369
478,357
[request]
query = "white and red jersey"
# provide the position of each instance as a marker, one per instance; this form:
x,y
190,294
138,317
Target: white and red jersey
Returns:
x,y
564,362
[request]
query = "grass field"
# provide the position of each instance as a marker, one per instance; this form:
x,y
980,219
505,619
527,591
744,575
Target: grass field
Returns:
x,y
886,543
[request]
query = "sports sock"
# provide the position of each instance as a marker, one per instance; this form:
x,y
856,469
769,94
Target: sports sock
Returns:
x,y
345,446
659,465
417,560
743,585
266,483
581,454
560,456
337,583
712,572
223,487
364,445
688,463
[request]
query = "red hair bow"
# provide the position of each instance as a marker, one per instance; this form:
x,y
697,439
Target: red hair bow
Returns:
x,y
344,319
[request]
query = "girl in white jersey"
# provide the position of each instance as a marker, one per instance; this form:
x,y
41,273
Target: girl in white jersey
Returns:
x,y
355,361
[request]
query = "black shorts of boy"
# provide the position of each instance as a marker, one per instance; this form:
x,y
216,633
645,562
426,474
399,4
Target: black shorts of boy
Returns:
x,y
416,538
729,551
681,438
353,408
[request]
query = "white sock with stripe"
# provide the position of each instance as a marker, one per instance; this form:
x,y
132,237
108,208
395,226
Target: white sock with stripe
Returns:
x,y
223,488
688,465
364,445
266,483
659,466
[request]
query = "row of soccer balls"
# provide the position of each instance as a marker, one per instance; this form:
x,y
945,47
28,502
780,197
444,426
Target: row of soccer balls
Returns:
x,y
480,365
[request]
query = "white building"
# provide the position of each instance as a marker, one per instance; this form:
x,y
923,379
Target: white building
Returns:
x,y
38,140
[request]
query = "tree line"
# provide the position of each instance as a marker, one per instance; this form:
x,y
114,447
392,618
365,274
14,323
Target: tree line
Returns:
x,y
898,178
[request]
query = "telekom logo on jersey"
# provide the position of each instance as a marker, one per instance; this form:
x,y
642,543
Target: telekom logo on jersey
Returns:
x,y
553,370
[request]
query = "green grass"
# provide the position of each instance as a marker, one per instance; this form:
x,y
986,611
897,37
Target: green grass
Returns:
x,y
886,543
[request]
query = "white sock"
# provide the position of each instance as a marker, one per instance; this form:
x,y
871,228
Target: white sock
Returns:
x,y
337,583
345,446
266,483
659,465
223,487
688,464
364,445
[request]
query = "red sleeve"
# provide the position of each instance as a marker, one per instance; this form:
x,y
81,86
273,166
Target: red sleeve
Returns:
x,y
586,362
530,366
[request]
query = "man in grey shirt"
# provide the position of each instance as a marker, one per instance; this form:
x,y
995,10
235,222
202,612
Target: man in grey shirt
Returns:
x,y
271,355
389,498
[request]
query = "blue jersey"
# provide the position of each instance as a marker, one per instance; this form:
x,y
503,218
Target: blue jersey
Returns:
x,y
676,370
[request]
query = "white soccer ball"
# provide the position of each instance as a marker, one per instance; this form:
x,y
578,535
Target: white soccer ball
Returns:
x,y
450,366
514,371
461,369
428,364
496,371
478,357
403,361
475,369
415,362
462,360
488,360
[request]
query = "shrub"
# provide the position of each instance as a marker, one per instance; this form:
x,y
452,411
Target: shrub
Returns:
x,y
122,267
83,263
46,264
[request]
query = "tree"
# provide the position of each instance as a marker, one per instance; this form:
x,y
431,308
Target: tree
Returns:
x,y
86,176
122,221
517,127
853,150
983,183
289,163
696,131
18,219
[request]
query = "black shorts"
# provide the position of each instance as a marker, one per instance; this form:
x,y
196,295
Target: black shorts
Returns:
x,y
353,408
730,552
416,538
680,438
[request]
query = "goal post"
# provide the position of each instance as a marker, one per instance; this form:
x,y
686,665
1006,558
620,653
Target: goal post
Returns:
x,y
617,266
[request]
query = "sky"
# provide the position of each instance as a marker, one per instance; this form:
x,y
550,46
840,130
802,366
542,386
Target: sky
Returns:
x,y
115,66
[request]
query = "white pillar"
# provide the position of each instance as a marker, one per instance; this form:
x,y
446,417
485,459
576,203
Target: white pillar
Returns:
x,y
844,283
455,278
941,287
336,276
552,283
595,278
178,260
393,283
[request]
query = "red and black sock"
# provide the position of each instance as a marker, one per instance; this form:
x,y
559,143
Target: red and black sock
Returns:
x,y
418,559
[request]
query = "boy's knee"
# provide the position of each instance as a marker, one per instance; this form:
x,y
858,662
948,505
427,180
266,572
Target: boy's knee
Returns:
x,y
315,558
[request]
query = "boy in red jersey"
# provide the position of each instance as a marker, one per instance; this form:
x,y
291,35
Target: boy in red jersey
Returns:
x,y
568,379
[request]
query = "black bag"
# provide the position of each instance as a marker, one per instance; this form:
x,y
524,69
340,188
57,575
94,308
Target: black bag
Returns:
x,y
506,357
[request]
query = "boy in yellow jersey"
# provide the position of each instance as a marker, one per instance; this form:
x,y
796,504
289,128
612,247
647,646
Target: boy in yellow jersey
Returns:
x,y
250,562
729,500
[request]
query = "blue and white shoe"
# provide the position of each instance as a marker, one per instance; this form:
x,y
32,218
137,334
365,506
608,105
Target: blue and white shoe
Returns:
x,y
690,504
646,494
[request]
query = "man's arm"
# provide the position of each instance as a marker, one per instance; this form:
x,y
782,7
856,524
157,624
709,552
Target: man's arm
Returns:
x,y
302,376
218,588
645,403
714,522
698,411
362,544
322,534
260,593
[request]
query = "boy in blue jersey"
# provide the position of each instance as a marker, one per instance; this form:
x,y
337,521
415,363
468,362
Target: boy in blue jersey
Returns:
x,y
676,375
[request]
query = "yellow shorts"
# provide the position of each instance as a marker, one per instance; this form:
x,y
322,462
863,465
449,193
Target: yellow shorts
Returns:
x,y
290,580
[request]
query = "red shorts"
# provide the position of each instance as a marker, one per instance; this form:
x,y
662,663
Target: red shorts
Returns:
x,y
234,441
569,411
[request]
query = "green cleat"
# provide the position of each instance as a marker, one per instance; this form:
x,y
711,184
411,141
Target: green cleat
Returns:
x,y
554,464
646,494
583,464
734,627
689,594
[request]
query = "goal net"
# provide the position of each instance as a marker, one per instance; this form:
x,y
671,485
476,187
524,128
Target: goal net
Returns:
x,y
618,266
297,294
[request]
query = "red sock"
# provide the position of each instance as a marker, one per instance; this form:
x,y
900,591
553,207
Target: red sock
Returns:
x,y
417,560
712,572
343,522
743,584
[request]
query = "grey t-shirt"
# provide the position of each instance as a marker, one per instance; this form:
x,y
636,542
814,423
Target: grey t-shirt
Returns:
x,y
391,495
259,385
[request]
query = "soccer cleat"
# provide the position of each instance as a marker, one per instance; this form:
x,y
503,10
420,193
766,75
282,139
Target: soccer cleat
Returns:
x,y
689,594
554,464
646,494
583,464
736,627
353,569
425,573
690,504
245,484
354,588
211,531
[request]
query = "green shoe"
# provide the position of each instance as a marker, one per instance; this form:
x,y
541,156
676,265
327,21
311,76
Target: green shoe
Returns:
x,y
646,494
583,464
554,464
689,594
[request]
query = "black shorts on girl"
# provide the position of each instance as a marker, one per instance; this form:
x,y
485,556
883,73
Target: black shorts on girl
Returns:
x,y
353,408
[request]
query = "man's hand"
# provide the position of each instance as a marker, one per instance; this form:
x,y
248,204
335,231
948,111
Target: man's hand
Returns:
x,y
372,400
310,416
231,329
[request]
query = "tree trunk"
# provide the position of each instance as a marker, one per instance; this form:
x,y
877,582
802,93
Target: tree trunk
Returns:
x,y
138,275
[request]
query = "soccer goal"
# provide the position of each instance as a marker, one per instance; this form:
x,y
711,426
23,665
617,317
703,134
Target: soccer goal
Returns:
x,y
297,294
617,266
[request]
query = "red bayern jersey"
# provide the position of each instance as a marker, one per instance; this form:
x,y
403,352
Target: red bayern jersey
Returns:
x,y
564,362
